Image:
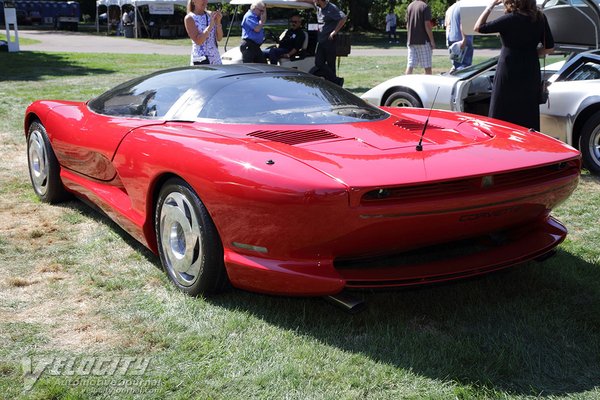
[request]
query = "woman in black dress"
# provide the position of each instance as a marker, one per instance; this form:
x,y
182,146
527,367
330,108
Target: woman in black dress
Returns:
x,y
515,96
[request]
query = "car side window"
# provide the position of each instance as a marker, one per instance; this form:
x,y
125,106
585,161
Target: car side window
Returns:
x,y
147,97
585,72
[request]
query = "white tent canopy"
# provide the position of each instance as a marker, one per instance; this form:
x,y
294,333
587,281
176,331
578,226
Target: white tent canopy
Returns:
x,y
138,3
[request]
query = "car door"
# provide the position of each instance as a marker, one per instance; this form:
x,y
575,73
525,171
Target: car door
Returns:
x,y
574,95
575,24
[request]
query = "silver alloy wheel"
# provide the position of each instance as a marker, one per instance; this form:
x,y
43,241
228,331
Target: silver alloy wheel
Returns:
x,y
401,102
181,239
38,162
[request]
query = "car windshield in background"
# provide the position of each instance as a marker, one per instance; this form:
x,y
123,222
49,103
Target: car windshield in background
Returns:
x,y
261,98
467,73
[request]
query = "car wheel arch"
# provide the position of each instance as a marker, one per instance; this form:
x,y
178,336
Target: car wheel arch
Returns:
x,y
30,119
582,117
395,89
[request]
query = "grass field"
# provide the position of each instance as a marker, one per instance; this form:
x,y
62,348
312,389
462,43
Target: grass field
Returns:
x,y
79,297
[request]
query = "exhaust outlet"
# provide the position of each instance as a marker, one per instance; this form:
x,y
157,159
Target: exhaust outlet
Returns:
x,y
347,302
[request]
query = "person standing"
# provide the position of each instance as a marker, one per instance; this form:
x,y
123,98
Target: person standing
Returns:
x,y
205,30
448,21
331,20
456,35
420,36
517,82
253,33
390,26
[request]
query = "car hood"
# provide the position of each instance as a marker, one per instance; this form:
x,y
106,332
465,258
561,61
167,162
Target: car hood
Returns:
x,y
384,152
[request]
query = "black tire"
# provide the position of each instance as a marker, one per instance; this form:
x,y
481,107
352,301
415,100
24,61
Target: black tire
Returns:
x,y
189,245
44,170
403,99
589,144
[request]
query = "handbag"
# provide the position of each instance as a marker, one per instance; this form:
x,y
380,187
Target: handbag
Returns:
x,y
544,93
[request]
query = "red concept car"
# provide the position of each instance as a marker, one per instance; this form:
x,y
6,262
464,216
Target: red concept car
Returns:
x,y
280,182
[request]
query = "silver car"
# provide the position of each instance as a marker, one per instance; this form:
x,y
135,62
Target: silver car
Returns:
x,y
572,113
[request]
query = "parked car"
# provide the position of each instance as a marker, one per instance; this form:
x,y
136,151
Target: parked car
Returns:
x,y
281,182
572,113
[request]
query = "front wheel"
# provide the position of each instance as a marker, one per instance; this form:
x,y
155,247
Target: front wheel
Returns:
x,y
403,99
188,242
44,169
589,144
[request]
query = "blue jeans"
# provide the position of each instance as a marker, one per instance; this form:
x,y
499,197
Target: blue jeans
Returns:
x,y
275,53
468,49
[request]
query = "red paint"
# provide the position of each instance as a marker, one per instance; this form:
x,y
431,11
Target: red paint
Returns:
x,y
313,204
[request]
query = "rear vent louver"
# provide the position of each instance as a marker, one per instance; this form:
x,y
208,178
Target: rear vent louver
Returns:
x,y
412,125
293,137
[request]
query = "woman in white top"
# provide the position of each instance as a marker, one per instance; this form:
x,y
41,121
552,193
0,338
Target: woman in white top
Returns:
x,y
205,30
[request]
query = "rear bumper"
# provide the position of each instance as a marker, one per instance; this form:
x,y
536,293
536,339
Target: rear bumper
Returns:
x,y
325,277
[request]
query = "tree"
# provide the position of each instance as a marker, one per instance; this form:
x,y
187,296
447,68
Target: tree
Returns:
x,y
368,15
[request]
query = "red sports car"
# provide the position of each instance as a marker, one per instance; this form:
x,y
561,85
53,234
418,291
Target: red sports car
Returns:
x,y
280,182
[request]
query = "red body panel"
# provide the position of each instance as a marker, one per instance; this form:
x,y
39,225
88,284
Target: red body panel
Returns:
x,y
311,206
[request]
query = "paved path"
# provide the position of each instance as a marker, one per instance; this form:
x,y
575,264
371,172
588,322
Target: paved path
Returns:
x,y
78,42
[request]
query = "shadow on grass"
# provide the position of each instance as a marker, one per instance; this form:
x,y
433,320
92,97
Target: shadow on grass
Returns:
x,y
96,214
36,66
530,330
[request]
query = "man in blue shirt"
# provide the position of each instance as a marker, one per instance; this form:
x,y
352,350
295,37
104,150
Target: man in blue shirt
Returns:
x,y
253,33
331,20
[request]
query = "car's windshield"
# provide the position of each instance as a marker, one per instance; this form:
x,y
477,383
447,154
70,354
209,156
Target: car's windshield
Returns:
x,y
468,72
286,99
255,98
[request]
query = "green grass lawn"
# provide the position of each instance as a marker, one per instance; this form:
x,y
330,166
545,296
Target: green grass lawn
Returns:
x,y
75,287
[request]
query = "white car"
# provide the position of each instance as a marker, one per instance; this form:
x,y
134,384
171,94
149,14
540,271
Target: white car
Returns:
x,y
572,113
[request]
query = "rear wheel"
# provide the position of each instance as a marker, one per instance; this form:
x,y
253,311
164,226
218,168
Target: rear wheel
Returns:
x,y
188,242
402,98
589,143
44,169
